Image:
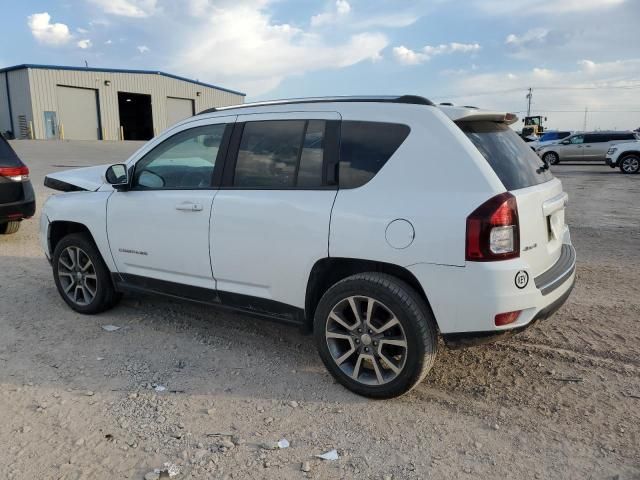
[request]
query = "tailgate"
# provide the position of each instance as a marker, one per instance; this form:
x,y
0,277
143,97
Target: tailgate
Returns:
x,y
541,210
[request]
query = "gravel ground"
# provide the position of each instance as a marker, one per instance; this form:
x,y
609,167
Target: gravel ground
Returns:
x,y
561,400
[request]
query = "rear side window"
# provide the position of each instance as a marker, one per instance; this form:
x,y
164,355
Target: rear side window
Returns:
x,y
623,136
8,157
364,149
597,138
281,154
515,164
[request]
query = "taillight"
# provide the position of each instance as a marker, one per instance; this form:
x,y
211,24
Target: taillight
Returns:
x,y
16,174
493,230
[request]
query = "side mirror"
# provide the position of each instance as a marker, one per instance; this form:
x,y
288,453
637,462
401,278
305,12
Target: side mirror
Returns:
x,y
565,142
118,176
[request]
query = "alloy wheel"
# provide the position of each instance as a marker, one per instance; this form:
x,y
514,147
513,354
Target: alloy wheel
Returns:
x,y
366,340
630,165
77,276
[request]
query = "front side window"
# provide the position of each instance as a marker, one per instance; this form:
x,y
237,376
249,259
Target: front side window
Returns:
x,y
365,147
183,161
576,140
281,154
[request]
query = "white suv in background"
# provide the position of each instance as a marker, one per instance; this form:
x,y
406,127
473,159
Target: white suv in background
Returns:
x,y
380,223
626,156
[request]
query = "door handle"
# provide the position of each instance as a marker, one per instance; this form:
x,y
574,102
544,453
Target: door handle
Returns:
x,y
587,146
189,207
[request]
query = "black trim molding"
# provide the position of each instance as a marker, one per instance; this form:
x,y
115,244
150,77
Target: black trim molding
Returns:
x,y
253,306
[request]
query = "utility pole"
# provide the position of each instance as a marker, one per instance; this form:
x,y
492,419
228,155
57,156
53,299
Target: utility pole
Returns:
x,y
584,127
529,97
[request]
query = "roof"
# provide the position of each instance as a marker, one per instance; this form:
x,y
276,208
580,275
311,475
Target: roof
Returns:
x,y
115,70
409,99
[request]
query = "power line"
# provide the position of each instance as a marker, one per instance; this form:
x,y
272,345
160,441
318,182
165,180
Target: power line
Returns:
x,y
516,90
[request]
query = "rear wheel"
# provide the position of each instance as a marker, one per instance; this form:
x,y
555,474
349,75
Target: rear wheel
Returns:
x,y
81,276
9,228
630,164
552,158
375,335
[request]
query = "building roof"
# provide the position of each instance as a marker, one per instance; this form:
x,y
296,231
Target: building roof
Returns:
x,y
116,70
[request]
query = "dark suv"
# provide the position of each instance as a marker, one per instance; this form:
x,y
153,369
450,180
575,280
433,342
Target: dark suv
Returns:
x,y
17,199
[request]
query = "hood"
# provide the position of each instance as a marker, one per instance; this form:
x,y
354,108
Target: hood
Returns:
x,y
79,179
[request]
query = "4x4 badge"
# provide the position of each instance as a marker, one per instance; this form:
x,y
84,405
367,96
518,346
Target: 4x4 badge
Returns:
x,y
522,279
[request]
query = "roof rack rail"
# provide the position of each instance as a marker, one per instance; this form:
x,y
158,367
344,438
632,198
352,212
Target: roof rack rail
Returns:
x,y
410,99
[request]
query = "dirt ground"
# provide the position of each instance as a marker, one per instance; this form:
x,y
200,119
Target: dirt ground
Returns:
x,y
561,400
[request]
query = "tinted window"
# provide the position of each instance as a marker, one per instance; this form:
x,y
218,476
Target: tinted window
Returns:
x,y
280,154
514,162
596,138
8,157
623,136
563,134
364,149
549,136
576,140
185,160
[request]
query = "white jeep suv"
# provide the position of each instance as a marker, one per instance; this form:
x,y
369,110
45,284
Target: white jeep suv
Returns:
x,y
380,223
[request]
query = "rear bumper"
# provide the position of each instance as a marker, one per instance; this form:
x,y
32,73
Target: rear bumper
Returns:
x,y
469,339
466,300
17,211
22,202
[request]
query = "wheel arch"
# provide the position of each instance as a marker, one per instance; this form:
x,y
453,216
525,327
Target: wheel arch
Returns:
x,y
330,270
59,229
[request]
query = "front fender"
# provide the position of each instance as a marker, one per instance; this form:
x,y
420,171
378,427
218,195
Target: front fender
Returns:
x,y
86,208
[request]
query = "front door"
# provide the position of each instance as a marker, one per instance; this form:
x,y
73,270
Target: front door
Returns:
x,y
271,217
159,229
573,151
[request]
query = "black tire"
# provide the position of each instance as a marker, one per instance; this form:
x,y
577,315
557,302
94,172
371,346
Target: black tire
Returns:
x,y
105,295
552,158
630,164
9,228
416,320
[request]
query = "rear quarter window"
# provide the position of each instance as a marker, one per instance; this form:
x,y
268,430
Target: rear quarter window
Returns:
x,y
365,147
513,161
8,158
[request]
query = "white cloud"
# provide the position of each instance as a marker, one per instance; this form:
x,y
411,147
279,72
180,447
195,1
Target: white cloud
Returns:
x,y
108,42
525,7
533,36
84,44
389,20
406,56
143,49
341,9
254,53
82,30
128,8
46,32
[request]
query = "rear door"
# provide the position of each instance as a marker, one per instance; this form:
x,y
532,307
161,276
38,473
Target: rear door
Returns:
x,y
595,147
270,220
541,200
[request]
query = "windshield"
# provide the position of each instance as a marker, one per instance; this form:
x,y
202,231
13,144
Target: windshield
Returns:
x,y
514,162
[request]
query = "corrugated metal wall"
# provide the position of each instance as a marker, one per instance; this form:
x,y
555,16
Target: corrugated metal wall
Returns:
x,y
20,99
5,123
43,84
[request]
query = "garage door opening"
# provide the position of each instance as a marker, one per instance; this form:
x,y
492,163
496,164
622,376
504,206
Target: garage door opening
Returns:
x,y
136,118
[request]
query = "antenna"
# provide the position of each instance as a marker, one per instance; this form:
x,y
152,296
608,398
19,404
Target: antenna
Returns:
x,y
86,64
529,97
584,127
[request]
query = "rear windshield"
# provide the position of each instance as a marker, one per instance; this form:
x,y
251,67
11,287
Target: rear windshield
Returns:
x,y
515,163
8,157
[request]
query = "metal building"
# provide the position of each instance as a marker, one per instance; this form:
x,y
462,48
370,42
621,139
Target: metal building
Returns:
x,y
54,102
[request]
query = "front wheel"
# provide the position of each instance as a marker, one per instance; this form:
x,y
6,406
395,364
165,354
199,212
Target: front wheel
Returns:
x,y
551,158
375,335
630,164
81,276
9,228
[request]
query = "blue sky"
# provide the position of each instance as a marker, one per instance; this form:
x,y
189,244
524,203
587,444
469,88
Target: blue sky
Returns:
x,y
574,53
